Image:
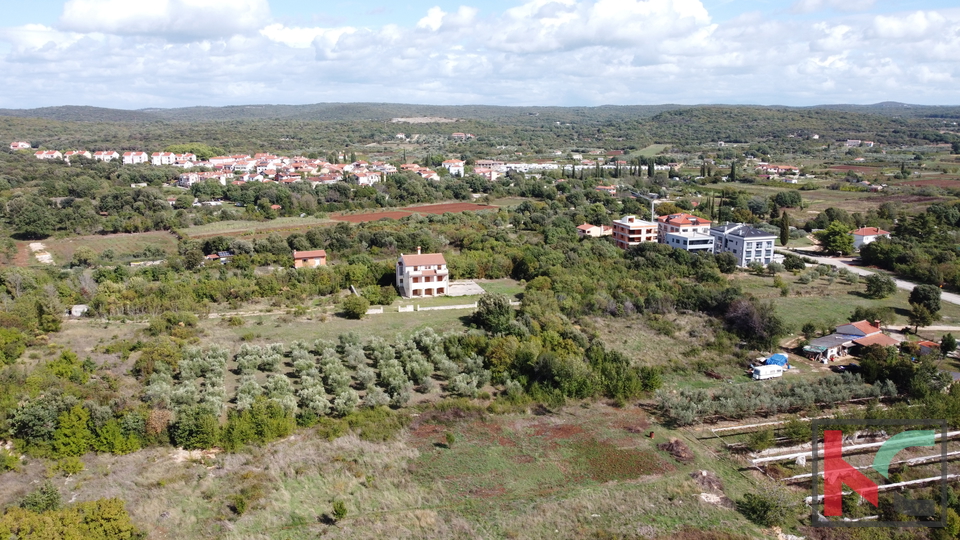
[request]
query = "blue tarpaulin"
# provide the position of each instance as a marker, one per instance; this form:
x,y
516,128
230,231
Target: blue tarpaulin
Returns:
x,y
777,360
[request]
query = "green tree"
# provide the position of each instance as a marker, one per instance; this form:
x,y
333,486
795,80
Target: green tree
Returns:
x,y
494,312
35,220
928,296
355,307
339,510
836,238
726,262
196,428
880,285
12,345
784,229
948,344
920,316
733,171
73,436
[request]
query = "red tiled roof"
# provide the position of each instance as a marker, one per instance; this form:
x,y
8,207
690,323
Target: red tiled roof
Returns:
x,y
310,254
869,231
929,344
876,339
866,327
585,227
427,259
681,220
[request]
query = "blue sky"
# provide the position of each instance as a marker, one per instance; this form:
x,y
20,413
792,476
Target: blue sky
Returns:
x,y
166,53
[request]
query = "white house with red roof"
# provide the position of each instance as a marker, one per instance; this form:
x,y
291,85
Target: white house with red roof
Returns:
x,y
865,235
135,158
76,153
48,154
455,166
106,155
681,224
367,178
163,158
422,275
20,145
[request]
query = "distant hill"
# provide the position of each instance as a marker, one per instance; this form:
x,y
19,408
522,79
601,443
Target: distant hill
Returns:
x,y
336,112
387,111
72,113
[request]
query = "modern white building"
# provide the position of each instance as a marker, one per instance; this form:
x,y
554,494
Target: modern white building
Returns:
x,y
747,243
690,241
19,145
422,275
134,158
865,235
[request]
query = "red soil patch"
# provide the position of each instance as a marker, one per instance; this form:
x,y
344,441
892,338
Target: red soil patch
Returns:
x,y
558,432
23,256
410,210
447,207
934,183
363,218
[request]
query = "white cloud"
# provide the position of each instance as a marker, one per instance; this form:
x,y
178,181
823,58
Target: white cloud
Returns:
x,y
540,52
810,6
177,19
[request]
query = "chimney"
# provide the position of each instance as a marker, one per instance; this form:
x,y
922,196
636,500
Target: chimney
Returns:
x,y
876,323
418,250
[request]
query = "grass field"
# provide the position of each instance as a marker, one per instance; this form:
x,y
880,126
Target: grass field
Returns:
x,y
240,227
822,302
122,245
651,150
821,199
585,471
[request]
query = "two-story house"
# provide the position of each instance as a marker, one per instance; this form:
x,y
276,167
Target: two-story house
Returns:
x,y
629,231
135,158
455,166
106,155
747,243
422,275
865,235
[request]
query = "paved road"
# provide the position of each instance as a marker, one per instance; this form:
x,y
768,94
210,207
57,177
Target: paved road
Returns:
x,y
948,297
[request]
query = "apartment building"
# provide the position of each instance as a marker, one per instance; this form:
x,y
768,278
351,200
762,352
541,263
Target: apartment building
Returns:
x,y
629,231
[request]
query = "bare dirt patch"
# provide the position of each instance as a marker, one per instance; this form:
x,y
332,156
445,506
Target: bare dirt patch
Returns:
x,y
676,448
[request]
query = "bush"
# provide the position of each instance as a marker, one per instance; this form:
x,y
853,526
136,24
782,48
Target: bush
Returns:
x,y
46,498
880,285
355,307
339,510
769,509
761,440
494,312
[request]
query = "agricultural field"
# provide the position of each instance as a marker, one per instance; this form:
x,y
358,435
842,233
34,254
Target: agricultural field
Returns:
x,y
651,150
410,210
125,247
285,225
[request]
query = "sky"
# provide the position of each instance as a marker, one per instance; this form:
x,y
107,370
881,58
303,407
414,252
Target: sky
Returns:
x,y
178,53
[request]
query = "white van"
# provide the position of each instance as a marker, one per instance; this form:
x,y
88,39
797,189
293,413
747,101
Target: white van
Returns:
x,y
767,372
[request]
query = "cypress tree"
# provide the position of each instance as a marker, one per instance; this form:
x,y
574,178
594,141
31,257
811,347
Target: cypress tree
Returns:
x,y
650,169
784,229
733,171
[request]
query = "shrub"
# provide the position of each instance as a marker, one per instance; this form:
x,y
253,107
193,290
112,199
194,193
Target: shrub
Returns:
x,y
880,285
761,440
46,498
494,312
355,307
339,510
769,509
